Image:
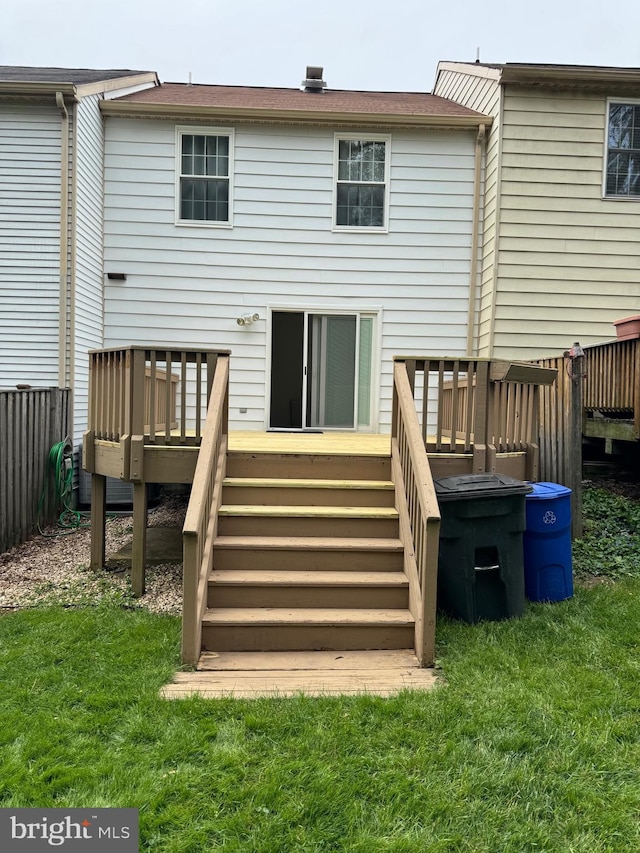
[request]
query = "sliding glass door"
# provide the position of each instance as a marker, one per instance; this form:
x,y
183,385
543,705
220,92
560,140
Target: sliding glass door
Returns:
x,y
321,370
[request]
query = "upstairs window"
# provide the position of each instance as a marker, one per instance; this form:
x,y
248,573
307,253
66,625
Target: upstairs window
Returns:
x,y
362,182
204,176
622,178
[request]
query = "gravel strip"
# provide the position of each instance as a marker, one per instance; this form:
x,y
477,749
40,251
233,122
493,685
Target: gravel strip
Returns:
x,y
54,569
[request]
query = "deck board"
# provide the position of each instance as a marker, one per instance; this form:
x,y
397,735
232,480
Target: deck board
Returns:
x,y
252,675
334,443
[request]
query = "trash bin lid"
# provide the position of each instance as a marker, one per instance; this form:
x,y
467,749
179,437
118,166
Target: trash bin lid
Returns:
x,y
468,486
547,491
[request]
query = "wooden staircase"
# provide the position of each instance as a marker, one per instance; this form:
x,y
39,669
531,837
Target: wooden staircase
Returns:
x,y
307,556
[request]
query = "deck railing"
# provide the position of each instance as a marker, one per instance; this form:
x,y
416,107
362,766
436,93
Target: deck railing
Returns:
x,y
612,382
418,512
154,392
200,526
148,396
478,406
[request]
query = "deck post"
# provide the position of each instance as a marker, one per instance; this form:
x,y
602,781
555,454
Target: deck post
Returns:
x,y
139,548
575,414
636,388
98,521
481,419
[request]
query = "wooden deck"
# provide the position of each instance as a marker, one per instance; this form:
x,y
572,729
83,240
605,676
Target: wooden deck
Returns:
x,y
252,675
267,508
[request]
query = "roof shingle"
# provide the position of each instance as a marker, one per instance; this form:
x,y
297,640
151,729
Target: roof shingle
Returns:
x,y
73,76
330,100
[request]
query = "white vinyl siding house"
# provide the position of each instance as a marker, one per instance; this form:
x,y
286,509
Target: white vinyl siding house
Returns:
x,y
188,285
567,259
30,151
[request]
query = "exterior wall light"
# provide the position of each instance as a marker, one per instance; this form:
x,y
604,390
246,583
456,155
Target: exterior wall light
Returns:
x,y
247,319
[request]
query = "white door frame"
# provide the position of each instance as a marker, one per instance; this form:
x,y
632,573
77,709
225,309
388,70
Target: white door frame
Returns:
x,y
374,311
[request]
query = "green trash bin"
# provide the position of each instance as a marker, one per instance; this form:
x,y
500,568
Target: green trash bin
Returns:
x,y
481,564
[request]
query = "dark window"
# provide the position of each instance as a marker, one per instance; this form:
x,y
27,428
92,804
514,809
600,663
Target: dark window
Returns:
x,y
361,189
623,151
204,178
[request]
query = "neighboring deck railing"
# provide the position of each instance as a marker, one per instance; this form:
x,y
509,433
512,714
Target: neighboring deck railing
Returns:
x,y
612,380
200,526
418,511
478,407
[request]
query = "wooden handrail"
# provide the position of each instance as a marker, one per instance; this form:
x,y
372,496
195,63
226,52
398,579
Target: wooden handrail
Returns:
x,y
201,521
418,511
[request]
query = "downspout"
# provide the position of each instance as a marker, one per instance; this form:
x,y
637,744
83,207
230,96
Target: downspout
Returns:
x,y
64,238
475,239
72,258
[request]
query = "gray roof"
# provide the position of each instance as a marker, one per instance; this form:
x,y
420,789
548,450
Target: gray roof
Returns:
x,y
73,76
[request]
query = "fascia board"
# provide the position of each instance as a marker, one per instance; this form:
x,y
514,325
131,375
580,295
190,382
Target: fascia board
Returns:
x,y
116,83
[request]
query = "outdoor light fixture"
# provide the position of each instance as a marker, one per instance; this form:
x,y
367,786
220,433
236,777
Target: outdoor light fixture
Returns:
x,y
247,319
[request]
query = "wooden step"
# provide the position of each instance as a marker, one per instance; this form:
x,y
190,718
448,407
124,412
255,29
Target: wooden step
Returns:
x,y
263,588
253,520
337,673
308,465
288,629
311,492
293,553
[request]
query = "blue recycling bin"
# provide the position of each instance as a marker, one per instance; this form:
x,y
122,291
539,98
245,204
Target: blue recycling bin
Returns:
x,y
548,573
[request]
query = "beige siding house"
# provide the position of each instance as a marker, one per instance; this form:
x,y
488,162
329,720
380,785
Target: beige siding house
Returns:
x,y
561,247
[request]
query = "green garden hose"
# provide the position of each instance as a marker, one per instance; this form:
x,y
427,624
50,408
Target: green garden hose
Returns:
x,y
60,467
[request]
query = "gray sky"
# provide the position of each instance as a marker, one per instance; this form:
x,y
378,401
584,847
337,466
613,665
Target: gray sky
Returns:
x,y
389,45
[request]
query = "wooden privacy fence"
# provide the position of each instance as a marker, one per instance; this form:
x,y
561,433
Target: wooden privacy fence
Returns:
x,y
555,426
31,422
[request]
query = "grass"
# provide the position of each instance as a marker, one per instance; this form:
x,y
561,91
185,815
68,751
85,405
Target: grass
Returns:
x,y
531,744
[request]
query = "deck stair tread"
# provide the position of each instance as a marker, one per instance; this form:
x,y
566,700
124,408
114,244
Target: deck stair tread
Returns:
x,y
303,543
333,444
306,483
259,577
314,673
307,661
324,616
294,511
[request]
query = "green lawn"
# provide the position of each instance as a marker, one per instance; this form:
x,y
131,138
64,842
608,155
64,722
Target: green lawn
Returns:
x,y
531,744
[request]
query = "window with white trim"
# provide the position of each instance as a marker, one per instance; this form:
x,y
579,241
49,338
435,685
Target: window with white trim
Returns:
x,y
362,182
204,176
622,178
